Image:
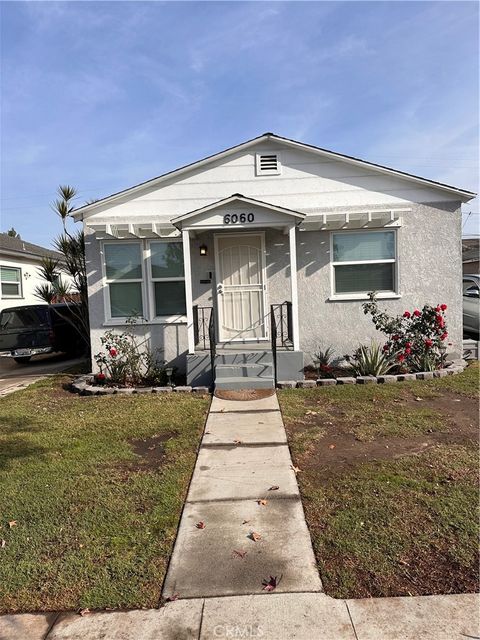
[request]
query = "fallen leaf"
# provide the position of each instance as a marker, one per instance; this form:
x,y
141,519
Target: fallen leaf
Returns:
x,y
418,399
84,612
296,469
253,535
271,584
332,446
12,523
262,501
274,487
239,554
200,525
172,598
245,521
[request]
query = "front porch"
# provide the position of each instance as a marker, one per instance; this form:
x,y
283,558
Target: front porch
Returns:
x,y
242,333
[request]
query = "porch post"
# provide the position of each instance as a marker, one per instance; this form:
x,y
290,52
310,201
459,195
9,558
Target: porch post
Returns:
x,y
188,290
292,236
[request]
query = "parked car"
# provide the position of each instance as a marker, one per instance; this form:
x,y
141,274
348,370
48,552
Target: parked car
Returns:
x,y
471,304
35,329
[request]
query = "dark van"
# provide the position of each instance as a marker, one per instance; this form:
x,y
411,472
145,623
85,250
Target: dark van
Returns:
x,y
38,328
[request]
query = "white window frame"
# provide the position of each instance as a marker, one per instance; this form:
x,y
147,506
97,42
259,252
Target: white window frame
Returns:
x,y
363,295
271,172
177,318
115,320
17,296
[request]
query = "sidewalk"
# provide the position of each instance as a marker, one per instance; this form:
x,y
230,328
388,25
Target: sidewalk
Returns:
x,y
298,616
243,455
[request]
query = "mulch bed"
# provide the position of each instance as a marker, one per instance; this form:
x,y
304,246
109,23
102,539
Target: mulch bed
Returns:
x,y
244,394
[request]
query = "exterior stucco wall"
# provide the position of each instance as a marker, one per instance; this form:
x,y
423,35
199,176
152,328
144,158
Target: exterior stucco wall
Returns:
x,y
429,260
430,264
170,338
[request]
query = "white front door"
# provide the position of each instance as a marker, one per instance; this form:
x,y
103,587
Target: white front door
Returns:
x,y
240,287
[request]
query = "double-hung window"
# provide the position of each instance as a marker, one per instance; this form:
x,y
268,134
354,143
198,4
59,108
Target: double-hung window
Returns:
x,y
124,276
168,279
364,261
11,282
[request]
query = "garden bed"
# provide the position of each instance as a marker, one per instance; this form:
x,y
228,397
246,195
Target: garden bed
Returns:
x,y
389,483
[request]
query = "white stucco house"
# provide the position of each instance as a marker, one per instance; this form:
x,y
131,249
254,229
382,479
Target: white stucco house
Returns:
x,y
244,263
19,271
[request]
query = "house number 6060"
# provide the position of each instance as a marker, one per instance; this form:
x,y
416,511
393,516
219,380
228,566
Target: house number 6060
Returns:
x,y
234,218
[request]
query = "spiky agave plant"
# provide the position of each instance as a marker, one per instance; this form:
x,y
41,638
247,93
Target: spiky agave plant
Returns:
x,y
370,361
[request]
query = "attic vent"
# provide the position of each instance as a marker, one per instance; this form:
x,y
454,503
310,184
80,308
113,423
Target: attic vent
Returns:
x,y
268,164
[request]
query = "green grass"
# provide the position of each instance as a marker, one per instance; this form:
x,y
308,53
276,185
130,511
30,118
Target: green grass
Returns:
x,y
95,521
384,525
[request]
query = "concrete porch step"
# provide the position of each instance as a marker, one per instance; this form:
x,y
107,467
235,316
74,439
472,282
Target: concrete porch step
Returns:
x,y
244,357
256,370
240,382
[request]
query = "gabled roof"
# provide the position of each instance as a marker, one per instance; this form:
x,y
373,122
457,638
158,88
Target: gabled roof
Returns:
x,y
463,194
236,197
17,247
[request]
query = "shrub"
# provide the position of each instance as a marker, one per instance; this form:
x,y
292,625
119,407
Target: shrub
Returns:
x,y
126,360
326,362
416,340
370,361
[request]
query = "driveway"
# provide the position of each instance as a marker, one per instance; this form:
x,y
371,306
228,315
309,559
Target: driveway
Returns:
x,y
15,376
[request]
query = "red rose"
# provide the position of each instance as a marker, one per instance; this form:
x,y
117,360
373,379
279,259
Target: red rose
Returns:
x,y
408,351
443,307
113,352
444,336
407,314
437,308
417,313
395,337
428,343
385,348
100,376
408,344
400,357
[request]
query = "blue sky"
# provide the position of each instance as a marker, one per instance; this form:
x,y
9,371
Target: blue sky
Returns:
x,y
102,95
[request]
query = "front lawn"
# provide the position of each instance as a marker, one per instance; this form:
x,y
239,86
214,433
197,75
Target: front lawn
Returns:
x,y
91,494
389,482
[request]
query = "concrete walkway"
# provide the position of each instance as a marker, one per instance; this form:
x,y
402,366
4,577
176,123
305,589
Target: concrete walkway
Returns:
x,y
274,616
243,455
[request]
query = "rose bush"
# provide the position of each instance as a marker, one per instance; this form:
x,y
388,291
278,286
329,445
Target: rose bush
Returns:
x,y
126,360
415,340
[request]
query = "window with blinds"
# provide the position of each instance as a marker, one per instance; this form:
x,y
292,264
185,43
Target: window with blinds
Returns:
x,y
11,282
364,261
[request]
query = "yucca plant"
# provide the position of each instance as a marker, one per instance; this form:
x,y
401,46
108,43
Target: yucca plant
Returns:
x,y
370,361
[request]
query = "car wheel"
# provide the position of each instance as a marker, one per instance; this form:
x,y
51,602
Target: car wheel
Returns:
x,y
23,360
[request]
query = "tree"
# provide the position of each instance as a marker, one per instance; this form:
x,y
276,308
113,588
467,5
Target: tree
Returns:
x,y
72,247
13,234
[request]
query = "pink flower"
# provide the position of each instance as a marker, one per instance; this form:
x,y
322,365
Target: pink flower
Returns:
x,y
407,314
437,308
443,307
428,343
417,313
113,352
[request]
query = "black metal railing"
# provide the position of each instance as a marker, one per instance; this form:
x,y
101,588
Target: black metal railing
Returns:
x,y
281,333
205,333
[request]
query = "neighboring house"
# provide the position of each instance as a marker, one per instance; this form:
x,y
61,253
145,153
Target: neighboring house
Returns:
x,y
206,250
470,255
19,270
